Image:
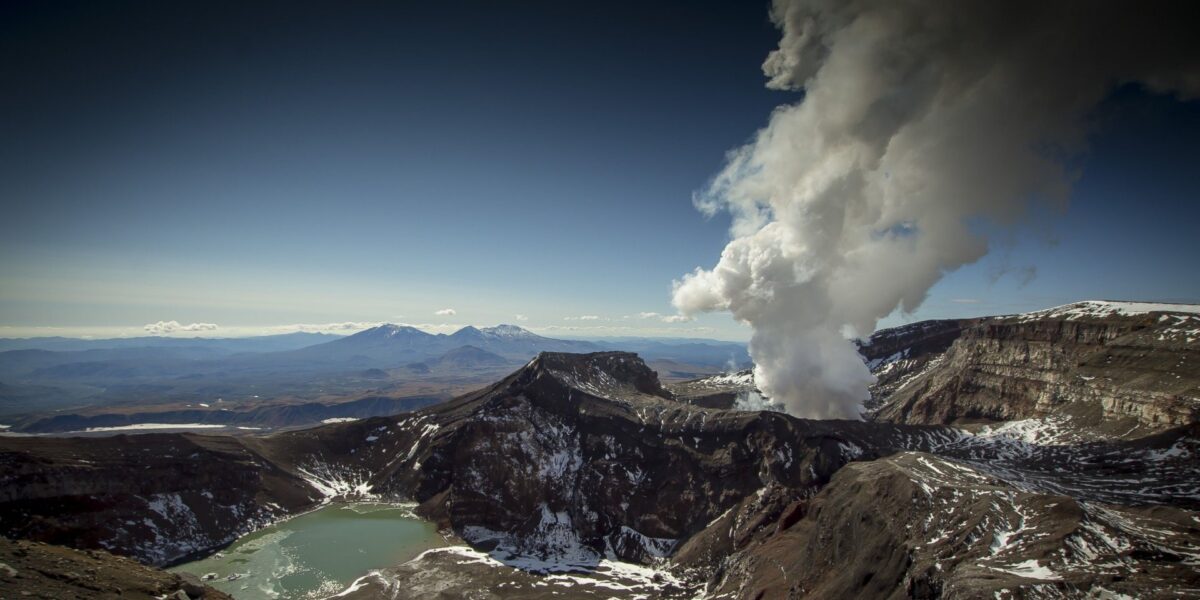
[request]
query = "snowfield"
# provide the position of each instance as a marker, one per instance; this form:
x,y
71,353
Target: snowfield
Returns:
x,y
1104,308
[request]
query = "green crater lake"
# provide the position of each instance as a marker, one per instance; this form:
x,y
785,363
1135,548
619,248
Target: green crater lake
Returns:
x,y
317,554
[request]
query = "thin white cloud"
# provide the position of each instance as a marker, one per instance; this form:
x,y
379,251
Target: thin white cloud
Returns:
x,y
446,312
665,318
675,319
521,317
623,330
583,318
965,300
165,327
343,327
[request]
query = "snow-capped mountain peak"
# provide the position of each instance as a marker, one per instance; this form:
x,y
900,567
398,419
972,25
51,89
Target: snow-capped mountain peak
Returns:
x,y
389,330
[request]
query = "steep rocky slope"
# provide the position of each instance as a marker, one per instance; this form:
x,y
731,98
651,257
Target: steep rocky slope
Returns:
x,y
972,517
897,355
158,498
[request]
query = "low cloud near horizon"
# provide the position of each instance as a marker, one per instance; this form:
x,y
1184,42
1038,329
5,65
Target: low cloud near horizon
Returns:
x,y
326,327
608,330
165,327
446,312
666,318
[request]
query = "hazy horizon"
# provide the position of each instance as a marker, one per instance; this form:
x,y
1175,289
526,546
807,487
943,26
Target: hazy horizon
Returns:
x,y
196,330
189,331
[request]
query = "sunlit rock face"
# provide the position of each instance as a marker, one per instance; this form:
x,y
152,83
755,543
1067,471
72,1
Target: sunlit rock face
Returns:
x,y
1122,367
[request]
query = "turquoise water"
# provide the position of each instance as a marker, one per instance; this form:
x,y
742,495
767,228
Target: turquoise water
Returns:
x,y
317,554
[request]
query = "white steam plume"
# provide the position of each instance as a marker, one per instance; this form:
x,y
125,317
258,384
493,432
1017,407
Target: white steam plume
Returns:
x,y
917,116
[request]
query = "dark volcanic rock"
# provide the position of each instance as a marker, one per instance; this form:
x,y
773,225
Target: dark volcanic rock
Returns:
x,y
159,498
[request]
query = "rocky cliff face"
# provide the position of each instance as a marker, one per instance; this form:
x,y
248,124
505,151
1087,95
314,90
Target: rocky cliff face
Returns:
x,y
1120,368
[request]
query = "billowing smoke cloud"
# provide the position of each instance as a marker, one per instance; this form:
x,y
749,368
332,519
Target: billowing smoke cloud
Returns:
x,y
916,117
165,327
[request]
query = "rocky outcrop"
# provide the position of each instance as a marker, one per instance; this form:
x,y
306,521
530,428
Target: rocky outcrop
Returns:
x,y
34,570
591,445
728,391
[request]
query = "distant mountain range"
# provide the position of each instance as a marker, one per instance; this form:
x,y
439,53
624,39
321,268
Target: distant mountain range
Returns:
x,y
391,345
40,375
392,339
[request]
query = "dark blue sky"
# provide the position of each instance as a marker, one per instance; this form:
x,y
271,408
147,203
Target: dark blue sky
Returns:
x,y
285,163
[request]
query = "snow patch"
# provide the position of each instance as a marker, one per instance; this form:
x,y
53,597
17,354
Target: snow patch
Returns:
x,y
150,426
1096,309
1031,569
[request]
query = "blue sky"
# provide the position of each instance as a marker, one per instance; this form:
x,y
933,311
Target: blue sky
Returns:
x,y
268,166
